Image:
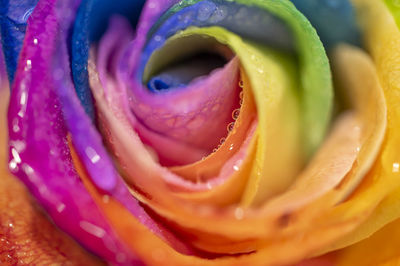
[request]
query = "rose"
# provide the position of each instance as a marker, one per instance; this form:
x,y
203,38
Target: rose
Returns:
x,y
312,207
236,212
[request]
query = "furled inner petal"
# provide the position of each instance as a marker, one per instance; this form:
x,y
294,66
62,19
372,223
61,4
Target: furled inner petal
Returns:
x,y
198,114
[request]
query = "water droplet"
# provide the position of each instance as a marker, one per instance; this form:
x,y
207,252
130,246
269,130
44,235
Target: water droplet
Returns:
x,y
215,150
231,147
237,165
28,65
92,229
15,125
35,41
106,199
235,114
92,155
15,155
396,168
10,225
260,70
241,84
222,140
22,100
60,207
230,127
12,165
239,213
158,38
21,113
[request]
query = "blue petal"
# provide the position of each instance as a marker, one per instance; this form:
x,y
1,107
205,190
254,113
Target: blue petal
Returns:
x,y
334,20
13,19
90,24
80,56
247,21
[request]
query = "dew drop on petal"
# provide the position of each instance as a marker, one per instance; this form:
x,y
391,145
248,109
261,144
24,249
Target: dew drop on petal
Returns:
x,y
396,168
239,213
12,165
230,126
235,114
28,65
15,155
60,207
106,198
92,155
92,229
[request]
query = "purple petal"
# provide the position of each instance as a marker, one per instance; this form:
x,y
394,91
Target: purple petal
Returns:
x,y
39,152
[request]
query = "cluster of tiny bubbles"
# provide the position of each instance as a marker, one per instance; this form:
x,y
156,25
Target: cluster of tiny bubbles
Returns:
x,y
236,112
231,126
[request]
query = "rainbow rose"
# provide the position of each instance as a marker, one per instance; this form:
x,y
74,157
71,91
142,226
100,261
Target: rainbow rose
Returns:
x,y
200,132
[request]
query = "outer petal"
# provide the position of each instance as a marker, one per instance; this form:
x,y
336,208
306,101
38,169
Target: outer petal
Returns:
x,y
26,234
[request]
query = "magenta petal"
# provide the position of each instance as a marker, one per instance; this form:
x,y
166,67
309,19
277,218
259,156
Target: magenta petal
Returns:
x,y
39,152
